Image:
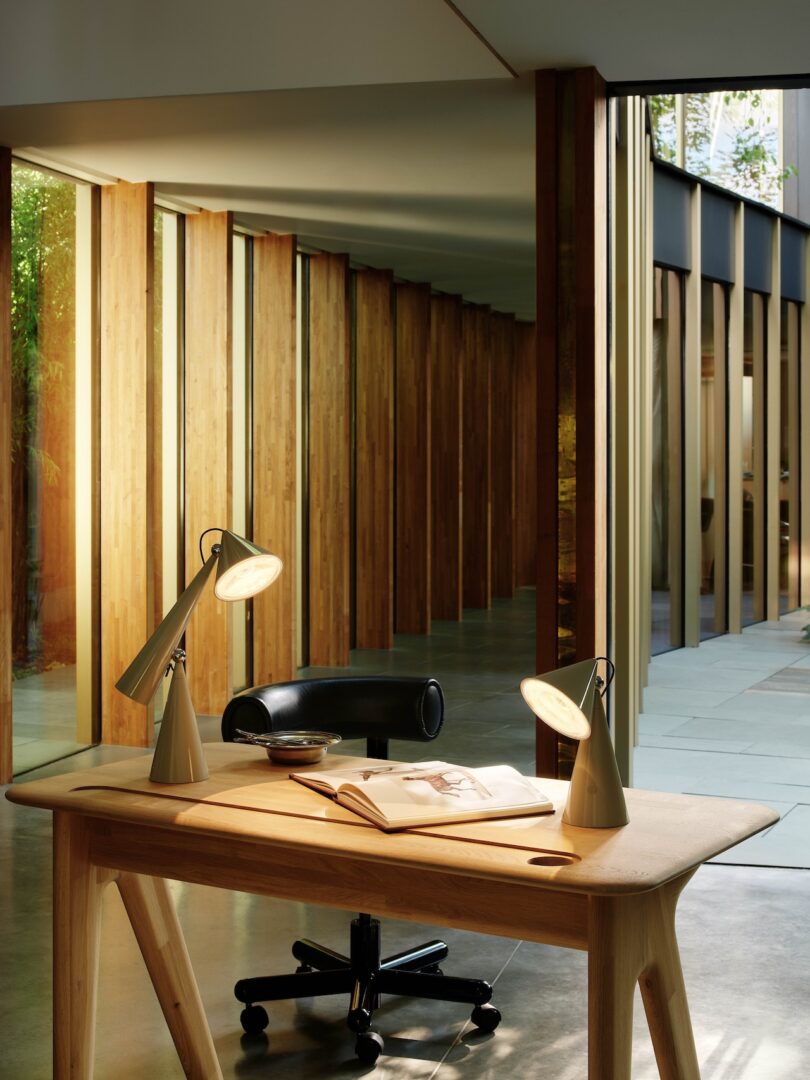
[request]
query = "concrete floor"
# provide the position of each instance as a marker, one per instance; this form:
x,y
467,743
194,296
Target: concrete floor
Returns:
x,y
744,942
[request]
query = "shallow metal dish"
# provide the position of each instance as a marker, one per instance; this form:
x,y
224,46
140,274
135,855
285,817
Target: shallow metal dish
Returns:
x,y
292,747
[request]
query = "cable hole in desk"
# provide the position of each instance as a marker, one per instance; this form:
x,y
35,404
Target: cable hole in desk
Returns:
x,y
554,860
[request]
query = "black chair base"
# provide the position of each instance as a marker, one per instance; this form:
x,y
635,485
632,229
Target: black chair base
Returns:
x,y
364,976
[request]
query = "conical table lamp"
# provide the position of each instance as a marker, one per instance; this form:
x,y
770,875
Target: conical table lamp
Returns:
x,y
569,700
243,570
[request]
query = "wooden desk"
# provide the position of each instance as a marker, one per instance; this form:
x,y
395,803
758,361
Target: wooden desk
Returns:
x,y
611,892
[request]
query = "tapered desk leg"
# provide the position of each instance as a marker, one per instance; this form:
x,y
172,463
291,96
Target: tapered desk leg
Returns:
x,y
77,889
154,921
632,938
663,991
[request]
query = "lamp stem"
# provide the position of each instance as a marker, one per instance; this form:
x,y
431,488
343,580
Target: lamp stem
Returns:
x,y
179,757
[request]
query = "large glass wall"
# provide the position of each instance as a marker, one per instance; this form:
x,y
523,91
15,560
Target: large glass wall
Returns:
x,y
789,457
667,464
50,454
713,459
753,453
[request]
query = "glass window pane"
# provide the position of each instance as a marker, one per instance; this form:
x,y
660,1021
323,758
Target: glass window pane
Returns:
x,y
713,453
789,458
667,464
753,470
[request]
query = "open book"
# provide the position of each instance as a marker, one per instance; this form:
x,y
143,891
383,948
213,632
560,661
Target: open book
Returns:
x,y
395,795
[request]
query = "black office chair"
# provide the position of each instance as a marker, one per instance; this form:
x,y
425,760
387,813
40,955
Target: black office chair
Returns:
x,y
377,709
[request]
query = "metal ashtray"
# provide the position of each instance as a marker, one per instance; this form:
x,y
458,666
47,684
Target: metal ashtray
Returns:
x,y
292,747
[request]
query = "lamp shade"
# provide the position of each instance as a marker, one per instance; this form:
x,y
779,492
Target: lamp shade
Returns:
x,y
569,701
142,677
244,568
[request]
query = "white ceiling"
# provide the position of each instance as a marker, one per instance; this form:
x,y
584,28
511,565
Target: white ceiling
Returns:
x,y
384,128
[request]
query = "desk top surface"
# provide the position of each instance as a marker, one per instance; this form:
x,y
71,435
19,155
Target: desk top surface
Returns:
x,y
246,798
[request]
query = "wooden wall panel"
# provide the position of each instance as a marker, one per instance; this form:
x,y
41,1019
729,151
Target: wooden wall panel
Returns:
x,y
413,460
208,449
572,333
446,477
476,459
274,452
5,466
127,490
503,455
374,461
525,455
329,462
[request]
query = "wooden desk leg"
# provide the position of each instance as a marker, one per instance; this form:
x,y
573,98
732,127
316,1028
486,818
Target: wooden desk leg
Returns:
x,y
663,991
632,938
154,921
77,889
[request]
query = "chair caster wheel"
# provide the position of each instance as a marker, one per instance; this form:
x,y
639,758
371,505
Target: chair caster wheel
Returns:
x,y
434,969
254,1019
359,1021
485,1017
368,1047
303,969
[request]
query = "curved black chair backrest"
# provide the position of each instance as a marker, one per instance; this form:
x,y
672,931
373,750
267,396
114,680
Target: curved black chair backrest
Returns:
x,y
373,707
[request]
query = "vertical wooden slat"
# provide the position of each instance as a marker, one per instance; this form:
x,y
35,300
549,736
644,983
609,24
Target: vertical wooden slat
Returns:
x,y
413,459
374,460
127,608
736,335
208,449
571,147
5,466
773,364
329,462
525,454
274,450
477,460
503,456
446,420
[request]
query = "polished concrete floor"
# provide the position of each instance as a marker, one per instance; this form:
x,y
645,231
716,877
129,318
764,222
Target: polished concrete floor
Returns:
x,y
743,934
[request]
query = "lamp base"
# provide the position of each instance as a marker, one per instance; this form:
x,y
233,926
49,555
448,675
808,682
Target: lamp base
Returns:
x,y
596,796
179,757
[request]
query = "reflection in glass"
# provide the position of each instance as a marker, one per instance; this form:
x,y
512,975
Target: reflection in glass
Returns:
x,y
713,453
753,453
789,458
667,464
43,465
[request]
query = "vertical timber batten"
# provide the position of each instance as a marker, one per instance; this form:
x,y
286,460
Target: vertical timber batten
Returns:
x,y
571,148
127,474
274,452
6,763
208,444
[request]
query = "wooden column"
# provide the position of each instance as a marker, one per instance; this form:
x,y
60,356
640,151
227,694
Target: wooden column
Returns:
x,y
525,454
127,481
208,450
476,458
374,461
6,509
571,149
446,419
274,450
503,456
329,462
413,459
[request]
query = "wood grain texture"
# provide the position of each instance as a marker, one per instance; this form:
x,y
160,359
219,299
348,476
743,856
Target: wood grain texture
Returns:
x,y
413,460
572,333
476,458
503,455
446,475
274,452
525,454
209,447
329,462
374,460
6,508
127,491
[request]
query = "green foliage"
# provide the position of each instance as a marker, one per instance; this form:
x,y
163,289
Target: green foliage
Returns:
x,y
730,138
